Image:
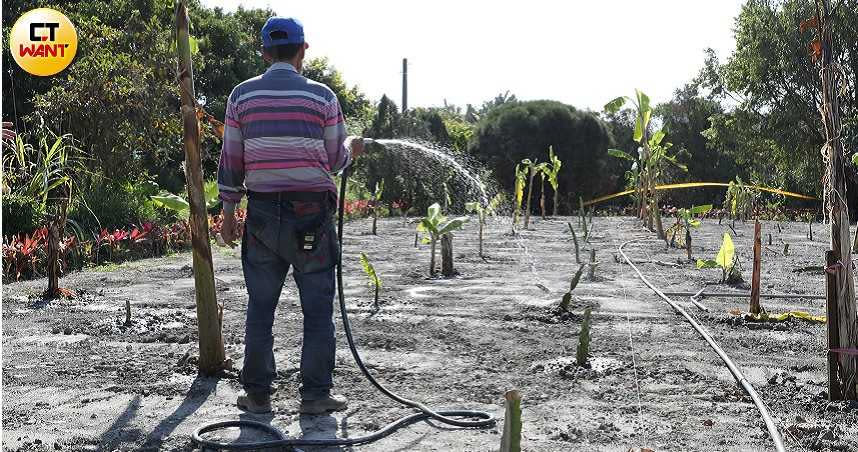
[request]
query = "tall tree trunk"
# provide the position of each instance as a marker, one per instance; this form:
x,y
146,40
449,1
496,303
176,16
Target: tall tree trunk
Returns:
x,y
843,298
208,319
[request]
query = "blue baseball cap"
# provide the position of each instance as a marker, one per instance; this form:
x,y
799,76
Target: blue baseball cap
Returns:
x,y
290,26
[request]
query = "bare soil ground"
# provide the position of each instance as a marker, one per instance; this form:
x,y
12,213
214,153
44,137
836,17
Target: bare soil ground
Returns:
x,y
75,378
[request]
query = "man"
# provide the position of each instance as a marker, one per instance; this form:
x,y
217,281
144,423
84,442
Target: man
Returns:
x,y
284,137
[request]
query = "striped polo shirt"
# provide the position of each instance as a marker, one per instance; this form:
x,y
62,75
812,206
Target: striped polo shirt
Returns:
x,y
283,132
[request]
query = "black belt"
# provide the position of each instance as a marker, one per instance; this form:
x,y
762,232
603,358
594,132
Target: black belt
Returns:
x,y
305,196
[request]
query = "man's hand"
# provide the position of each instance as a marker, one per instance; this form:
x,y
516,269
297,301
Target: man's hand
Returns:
x,y
356,146
227,228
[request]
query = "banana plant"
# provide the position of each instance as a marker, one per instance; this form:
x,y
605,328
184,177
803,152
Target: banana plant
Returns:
x,y
374,279
532,169
520,180
680,232
726,260
552,172
482,212
375,203
436,225
739,200
180,205
651,159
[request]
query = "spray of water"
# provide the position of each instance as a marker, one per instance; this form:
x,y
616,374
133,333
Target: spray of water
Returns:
x,y
439,155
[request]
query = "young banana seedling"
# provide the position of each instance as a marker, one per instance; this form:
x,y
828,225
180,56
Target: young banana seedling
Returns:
x,y
436,226
520,181
375,203
374,279
483,212
680,232
726,260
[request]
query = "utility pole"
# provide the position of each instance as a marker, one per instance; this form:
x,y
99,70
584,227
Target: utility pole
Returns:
x,y
840,297
404,85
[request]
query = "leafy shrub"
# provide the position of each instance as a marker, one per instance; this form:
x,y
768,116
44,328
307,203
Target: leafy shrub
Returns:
x,y
20,214
116,204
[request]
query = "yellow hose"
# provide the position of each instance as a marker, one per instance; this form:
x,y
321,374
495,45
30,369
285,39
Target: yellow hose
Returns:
x,y
701,184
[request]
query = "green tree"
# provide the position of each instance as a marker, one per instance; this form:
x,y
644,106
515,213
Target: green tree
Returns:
x,y
774,128
519,130
685,118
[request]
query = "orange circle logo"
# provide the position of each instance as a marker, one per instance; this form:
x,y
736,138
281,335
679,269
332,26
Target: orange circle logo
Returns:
x,y
43,41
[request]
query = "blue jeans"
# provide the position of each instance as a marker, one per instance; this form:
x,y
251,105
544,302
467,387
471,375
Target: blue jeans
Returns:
x,y
273,241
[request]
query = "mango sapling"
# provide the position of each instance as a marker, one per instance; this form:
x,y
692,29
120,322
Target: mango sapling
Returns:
x,y
726,260
374,279
435,225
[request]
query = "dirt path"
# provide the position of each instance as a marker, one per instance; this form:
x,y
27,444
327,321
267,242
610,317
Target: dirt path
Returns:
x,y
76,379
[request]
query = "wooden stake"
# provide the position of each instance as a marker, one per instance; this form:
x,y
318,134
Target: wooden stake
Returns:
x,y
211,341
511,437
755,278
842,298
834,391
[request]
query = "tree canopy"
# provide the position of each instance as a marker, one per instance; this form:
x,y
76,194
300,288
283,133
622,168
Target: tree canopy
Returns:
x,y
517,130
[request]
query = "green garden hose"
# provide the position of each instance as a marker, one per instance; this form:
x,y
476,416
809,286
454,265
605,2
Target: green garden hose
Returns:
x,y
458,418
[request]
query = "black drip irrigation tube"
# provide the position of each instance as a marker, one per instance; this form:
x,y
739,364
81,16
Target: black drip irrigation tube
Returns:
x,y
457,418
734,369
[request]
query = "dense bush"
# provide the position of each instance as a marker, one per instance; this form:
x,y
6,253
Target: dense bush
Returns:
x,y
20,214
517,130
111,204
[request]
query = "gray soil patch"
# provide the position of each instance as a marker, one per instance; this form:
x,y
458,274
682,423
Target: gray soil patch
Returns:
x,y
77,378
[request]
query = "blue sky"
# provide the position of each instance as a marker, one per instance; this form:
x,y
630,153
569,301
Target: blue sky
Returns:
x,y
581,53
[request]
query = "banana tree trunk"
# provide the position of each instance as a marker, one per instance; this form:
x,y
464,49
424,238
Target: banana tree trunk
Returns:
x,y
212,355
556,202
432,243
447,255
529,198
542,197
656,212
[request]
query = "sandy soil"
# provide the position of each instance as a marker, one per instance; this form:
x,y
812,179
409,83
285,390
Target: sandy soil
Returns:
x,y
76,379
